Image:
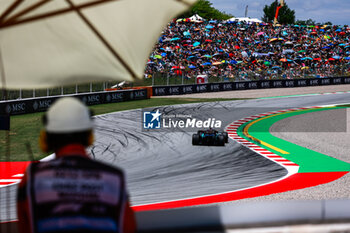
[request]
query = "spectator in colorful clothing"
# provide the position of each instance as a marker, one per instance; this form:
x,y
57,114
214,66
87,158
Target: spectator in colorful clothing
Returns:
x,y
251,51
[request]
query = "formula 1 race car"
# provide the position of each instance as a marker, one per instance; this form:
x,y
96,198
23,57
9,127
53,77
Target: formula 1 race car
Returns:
x,y
210,137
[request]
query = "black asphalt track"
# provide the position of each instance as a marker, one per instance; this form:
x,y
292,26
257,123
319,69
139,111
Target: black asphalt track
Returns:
x,y
163,166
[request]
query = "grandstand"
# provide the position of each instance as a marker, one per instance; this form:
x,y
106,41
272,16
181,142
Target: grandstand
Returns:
x,y
246,50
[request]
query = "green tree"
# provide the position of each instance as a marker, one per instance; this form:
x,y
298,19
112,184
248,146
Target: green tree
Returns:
x,y
306,22
205,9
285,16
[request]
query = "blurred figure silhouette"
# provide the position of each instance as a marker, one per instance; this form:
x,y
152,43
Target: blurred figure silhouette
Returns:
x,y
72,193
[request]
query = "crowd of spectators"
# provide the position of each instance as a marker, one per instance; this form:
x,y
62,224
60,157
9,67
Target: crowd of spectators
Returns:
x,y
246,51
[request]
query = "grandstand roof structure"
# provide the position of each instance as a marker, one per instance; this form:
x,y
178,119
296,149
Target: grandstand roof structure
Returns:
x,y
196,17
246,19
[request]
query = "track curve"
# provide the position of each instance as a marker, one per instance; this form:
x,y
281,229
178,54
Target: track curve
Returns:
x,y
163,166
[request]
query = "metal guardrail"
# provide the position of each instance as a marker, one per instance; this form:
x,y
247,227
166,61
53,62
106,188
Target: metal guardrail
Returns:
x,y
218,218
40,104
57,91
247,85
246,214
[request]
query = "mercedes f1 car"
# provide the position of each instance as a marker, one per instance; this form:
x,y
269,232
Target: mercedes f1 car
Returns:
x,y
210,137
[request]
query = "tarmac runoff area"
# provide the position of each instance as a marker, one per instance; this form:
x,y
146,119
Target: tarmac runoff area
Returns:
x,y
334,144
304,131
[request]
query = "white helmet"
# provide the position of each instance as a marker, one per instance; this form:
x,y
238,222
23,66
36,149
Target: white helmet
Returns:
x,y
68,115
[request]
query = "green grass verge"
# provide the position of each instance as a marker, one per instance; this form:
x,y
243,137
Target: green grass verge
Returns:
x,y
25,129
